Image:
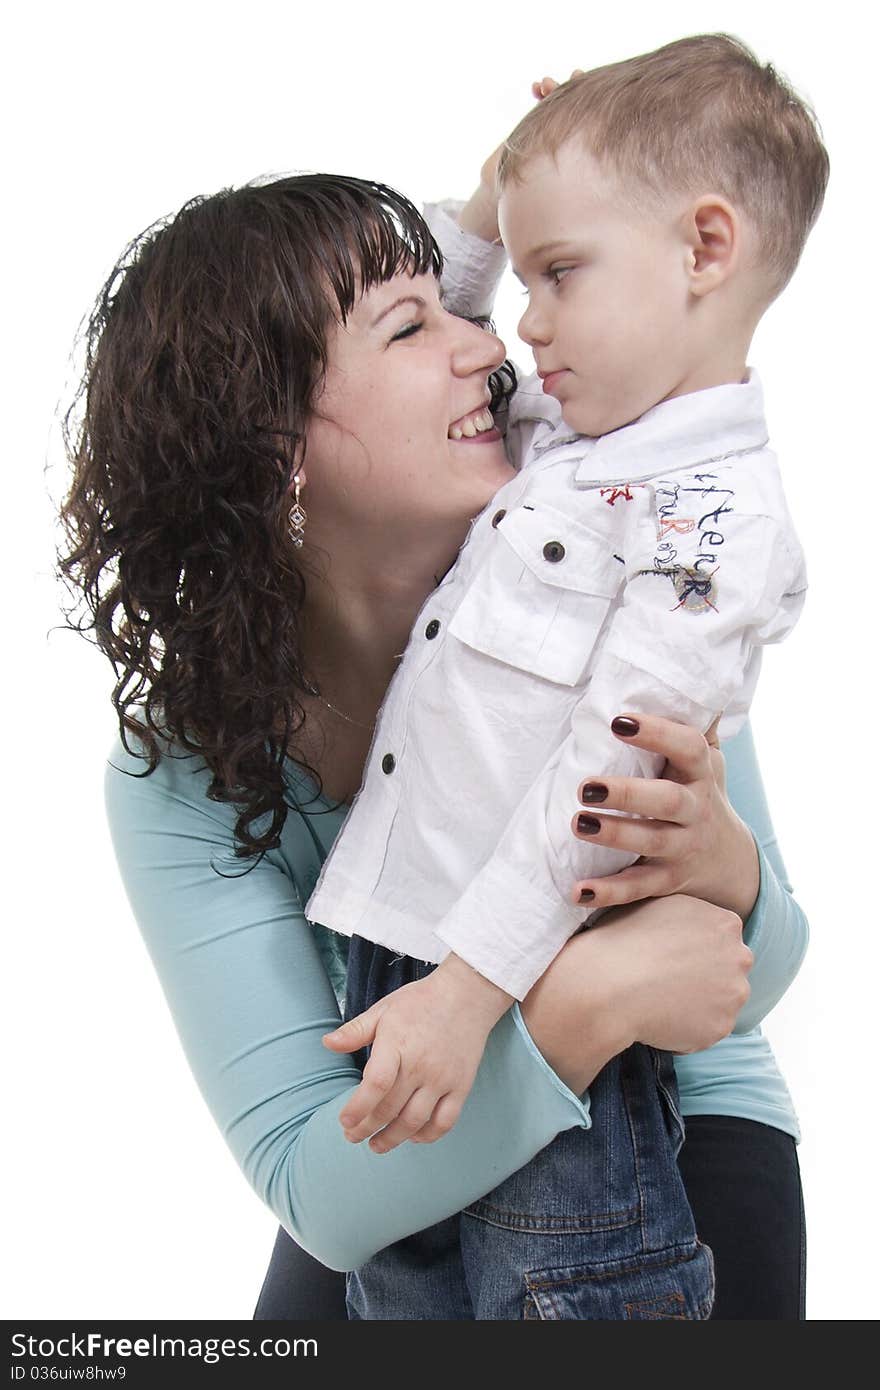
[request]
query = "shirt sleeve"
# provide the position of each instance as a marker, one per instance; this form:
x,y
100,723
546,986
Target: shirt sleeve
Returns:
x,y
776,930
682,642
472,267
250,999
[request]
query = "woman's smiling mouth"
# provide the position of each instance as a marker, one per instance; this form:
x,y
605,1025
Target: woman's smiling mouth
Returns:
x,y
477,426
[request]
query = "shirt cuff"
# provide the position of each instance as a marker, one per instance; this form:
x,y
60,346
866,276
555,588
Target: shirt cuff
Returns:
x,y
580,1104
753,926
521,941
472,267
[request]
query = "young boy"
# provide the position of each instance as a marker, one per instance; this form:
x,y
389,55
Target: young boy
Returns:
x,y
639,561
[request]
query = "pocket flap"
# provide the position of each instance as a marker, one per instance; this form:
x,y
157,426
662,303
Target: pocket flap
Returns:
x,y
562,552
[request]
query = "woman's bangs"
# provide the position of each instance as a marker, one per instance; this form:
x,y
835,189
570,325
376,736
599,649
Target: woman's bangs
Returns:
x,y
378,237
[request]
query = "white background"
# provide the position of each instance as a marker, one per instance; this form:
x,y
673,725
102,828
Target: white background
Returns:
x,y
123,1199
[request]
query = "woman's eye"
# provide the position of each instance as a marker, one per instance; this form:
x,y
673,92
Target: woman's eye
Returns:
x,y
407,332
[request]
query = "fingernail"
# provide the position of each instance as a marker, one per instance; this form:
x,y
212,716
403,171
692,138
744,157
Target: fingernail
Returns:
x,y
587,895
588,825
593,791
628,728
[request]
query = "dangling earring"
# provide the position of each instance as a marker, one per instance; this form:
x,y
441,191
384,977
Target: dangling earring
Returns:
x,y
296,518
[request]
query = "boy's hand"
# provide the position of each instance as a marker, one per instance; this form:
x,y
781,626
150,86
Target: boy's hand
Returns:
x,y
479,216
428,1038
542,89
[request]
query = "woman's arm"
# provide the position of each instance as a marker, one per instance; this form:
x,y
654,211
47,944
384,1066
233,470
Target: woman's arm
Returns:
x,y
251,1000
676,967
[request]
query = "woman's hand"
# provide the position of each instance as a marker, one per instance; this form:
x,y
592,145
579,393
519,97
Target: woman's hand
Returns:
x,y
688,835
479,216
671,972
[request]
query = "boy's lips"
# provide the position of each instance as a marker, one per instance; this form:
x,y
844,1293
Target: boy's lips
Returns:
x,y
549,380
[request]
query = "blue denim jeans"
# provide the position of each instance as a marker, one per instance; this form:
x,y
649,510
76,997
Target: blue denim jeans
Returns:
x,y
597,1226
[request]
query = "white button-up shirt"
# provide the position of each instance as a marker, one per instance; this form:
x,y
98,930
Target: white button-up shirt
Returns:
x,y
639,572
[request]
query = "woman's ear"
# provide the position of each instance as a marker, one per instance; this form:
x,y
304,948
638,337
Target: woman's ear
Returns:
x,y
713,234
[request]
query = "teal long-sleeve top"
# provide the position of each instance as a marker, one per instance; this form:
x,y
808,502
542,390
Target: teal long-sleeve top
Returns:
x,y
252,987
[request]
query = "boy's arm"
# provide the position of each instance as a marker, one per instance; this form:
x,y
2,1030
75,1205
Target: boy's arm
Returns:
x,y
669,650
474,258
472,264
478,217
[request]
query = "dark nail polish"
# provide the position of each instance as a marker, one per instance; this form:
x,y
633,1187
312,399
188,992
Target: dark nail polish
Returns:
x,y
592,792
588,825
628,728
587,895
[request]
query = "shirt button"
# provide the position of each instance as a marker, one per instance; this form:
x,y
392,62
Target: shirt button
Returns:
x,y
388,763
432,629
499,516
554,551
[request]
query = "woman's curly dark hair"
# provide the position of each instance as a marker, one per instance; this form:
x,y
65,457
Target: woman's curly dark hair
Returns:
x,y
204,353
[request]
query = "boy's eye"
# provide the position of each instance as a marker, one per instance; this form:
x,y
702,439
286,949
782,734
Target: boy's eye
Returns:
x,y
557,273
407,332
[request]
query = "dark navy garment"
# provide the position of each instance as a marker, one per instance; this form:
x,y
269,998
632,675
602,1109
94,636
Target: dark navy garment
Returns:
x,y
597,1226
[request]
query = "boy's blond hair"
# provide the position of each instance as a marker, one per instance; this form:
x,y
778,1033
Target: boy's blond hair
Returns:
x,y
700,115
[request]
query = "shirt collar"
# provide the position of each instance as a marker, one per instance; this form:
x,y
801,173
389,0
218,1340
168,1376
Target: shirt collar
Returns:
x,y
701,427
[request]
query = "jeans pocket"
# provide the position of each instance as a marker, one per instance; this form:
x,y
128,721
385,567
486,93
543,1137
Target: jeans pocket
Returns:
x,y
671,1285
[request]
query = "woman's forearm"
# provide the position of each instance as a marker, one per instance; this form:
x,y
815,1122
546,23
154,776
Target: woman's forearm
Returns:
x,y
733,880
671,972
572,1015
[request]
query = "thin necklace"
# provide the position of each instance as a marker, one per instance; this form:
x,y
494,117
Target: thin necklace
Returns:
x,y
316,694
341,713
347,717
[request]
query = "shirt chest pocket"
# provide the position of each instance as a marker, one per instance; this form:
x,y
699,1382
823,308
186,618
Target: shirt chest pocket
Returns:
x,y
539,600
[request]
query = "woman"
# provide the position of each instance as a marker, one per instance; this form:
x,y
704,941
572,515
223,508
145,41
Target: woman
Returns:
x,y
222,371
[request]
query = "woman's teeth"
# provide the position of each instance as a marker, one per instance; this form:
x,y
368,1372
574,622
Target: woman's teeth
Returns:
x,y
470,425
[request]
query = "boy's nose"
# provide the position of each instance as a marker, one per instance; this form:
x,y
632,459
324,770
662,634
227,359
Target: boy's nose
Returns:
x,y
532,328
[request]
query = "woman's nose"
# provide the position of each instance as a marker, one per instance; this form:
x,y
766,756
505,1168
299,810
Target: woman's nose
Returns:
x,y
477,350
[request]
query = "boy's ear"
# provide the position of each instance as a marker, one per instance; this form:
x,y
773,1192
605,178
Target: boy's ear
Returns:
x,y
712,232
